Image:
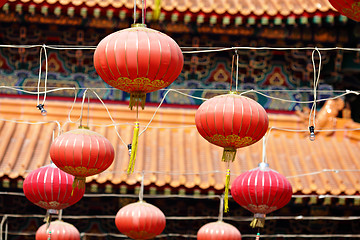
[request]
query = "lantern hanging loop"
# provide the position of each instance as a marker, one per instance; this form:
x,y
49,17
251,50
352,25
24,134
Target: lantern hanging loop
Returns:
x,y
237,71
141,192
232,71
39,105
315,85
221,208
82,109
60,215
264,159
134,11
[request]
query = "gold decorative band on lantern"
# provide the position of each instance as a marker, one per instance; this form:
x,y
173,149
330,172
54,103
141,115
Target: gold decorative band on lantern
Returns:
x,y
83,127
228,155
138,25
136,98
79,182
134,145
258,221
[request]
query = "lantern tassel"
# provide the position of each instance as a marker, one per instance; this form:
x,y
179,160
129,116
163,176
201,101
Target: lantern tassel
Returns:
x,y
47,219
136,98
79,182
134,145
228,155
257,236
258,221
226,197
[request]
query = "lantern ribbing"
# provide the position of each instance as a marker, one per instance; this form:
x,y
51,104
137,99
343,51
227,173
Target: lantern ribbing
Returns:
x,y
231,121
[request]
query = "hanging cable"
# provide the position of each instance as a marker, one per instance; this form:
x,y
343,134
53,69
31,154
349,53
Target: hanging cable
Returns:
x,y
237,70
134,11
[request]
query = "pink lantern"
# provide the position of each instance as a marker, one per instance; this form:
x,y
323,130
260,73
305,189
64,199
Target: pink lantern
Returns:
x,y
140,220
261,191
57,230
50,188
218,231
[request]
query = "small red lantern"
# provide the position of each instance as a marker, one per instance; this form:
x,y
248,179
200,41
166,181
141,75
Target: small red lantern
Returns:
x,y
82,153
57,230
50,188
218,231
2,2
140,220
261,191
349,8
138,60
231,121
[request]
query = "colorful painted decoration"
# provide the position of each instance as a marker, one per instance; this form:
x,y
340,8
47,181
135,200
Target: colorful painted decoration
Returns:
x,y
140,220
349,8
138,60
261,191
231,121
218,231
57,230
82,153
50,188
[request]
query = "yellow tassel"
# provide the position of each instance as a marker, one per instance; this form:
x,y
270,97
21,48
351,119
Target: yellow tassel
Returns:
x,y
79,182
228,155
133,148
157,9
137,97
258,222
226,197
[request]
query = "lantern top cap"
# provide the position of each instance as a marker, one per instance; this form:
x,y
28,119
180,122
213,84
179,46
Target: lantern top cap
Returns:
x,y
263,166
138,25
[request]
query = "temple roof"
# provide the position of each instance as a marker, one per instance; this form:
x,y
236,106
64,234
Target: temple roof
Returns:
x,y
244,7
172,153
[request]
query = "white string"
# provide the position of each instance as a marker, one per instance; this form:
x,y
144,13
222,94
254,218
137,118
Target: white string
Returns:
x,y
221,209
134,11
82,107
111,118
205,49
237,71
141,192
156,110
316,82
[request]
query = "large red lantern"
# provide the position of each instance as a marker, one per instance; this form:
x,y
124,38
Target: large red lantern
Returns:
x,y
82,153
349,8
140,220
231,121
218,231
57,230
50,188
138,60
261,191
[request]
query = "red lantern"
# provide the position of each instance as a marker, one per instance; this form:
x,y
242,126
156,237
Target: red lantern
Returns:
x,y
50,188
2,2
261,191
82,153
140,220
218,231
349,8
138,60
57,230
231,121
